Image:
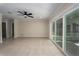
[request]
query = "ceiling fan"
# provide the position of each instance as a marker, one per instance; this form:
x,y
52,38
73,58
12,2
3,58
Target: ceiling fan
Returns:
x,y
25,14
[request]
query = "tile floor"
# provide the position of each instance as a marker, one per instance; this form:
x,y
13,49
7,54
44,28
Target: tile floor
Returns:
x,y
29,47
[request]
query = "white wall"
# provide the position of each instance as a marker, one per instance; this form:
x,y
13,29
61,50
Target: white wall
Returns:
x,y
0,29
31,29
8,29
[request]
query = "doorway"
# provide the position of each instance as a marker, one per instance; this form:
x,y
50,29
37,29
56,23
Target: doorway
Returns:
x,y
12,30
3,30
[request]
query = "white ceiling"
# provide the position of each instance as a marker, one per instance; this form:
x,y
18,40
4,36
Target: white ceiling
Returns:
x,y
39,10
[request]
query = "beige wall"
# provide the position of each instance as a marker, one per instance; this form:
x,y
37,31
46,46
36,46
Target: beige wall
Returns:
x,y
31,29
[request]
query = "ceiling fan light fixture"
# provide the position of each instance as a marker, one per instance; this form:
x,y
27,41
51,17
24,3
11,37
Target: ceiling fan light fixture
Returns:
x,y
25,14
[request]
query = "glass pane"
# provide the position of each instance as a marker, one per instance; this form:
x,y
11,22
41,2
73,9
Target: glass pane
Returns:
x,y
59,30
72,33
53,30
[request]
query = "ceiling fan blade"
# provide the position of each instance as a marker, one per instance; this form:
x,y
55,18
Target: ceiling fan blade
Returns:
x,y
30,14
32,17
20,12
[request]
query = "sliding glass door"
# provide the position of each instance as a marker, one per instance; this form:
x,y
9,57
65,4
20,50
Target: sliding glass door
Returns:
x,y
66,33
72,33
54,38
58,31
